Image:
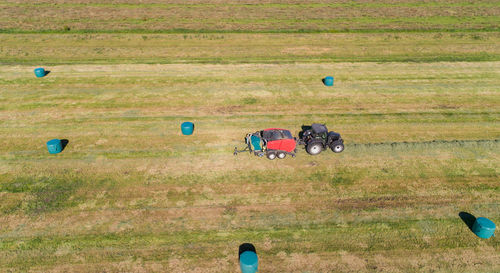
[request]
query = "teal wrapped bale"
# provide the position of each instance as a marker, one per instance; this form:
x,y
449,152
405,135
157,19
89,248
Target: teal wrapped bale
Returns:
x,y
483,228
249,262
54,146
187,128
328,81
256,143
40,72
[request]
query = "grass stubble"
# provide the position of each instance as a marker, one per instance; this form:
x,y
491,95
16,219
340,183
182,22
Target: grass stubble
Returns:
x,y
416,98
421,146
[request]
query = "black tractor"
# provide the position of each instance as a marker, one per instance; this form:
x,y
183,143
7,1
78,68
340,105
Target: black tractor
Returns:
x,y
316,138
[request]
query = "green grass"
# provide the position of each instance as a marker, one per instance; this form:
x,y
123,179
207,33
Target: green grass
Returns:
x,y
213,31
46,194
253,16
416,99
119,48
130,193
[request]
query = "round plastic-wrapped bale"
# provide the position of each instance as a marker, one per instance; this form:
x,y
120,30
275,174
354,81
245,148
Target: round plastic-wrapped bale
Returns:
x,y
328,81
483,228
40,72
54,146
249,262
187,128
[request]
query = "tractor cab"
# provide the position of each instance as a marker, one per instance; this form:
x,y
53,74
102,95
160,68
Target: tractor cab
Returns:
x,y
319,130
317,138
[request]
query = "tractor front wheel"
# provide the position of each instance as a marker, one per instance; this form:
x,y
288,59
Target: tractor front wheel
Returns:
x,y
314,148
271,155
337,148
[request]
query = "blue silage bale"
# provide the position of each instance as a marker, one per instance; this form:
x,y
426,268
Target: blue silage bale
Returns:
x,y
483,228
187,128
40,72
54,146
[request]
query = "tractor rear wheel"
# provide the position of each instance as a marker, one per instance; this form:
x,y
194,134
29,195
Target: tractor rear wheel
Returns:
x,y
314,147
271,155
281,155
337,148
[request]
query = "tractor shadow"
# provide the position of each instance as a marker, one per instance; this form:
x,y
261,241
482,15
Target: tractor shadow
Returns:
x,y
246,247
468,219
64,143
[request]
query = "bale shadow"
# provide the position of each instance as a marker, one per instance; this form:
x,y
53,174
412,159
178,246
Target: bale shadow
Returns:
x,y
468,219
46,72
64,142
246,247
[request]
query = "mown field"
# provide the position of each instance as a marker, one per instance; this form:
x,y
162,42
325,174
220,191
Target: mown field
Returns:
x,y
119,48
416,98
130,194
244,16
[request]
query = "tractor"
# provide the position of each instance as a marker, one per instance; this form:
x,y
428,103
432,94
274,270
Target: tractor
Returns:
x,y
316,138
272,142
